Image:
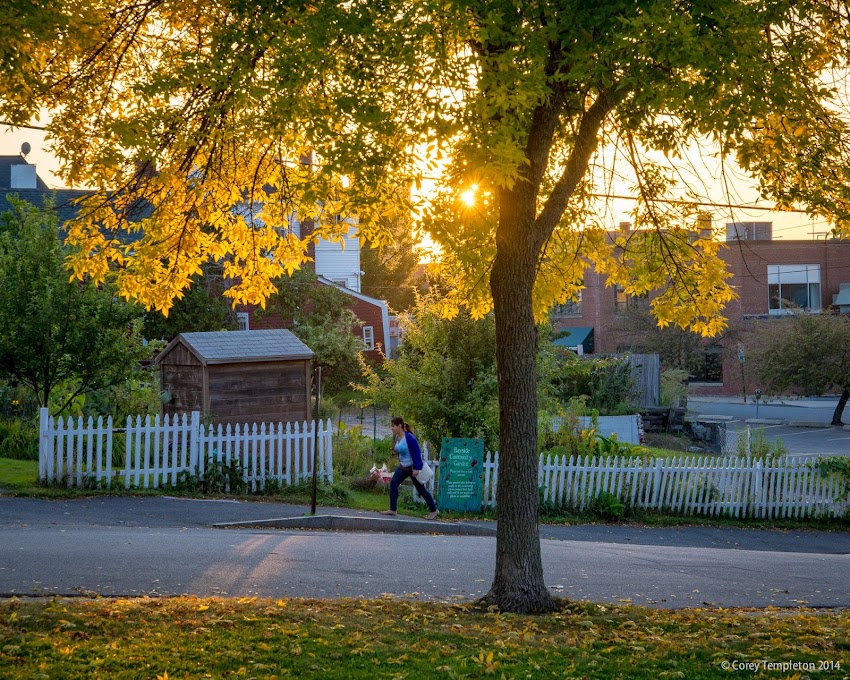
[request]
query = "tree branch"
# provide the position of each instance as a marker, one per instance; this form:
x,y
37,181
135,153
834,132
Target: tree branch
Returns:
x,y
585,144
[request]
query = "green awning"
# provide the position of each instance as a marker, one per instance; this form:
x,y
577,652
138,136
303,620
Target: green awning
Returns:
x,y
573,338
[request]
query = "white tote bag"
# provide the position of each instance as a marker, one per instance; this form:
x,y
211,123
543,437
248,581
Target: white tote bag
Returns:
x,y
426,473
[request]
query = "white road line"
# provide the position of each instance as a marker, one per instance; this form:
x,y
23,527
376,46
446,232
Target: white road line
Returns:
x,y
807,431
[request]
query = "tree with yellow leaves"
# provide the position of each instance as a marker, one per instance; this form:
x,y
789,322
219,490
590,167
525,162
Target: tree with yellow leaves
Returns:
x,y
252,112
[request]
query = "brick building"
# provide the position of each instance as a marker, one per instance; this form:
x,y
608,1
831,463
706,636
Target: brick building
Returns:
x,y
374,314
770,276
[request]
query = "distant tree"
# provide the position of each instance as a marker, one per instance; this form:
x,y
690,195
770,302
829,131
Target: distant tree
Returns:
x,y
807,353
676,347
604,384
54,333
388,271
202,308
322,320
444,379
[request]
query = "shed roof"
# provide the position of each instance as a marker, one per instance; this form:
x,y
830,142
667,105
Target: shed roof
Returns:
x,y
232,347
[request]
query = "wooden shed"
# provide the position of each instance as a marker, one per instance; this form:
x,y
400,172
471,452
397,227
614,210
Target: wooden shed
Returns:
x,y
237,376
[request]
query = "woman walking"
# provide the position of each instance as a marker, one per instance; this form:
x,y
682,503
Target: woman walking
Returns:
x,y
409,464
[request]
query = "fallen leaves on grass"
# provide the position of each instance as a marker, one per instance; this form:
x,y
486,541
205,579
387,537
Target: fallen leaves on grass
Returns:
x,y
217,637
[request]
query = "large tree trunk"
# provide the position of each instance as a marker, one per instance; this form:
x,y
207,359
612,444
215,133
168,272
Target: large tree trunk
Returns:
x,y
520,236
518,585
839,408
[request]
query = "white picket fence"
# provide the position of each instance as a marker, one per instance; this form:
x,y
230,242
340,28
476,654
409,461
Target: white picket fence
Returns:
x,y
81,453
737,487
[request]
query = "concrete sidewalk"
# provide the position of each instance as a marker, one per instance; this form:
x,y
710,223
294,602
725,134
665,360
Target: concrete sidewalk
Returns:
x,y
341,519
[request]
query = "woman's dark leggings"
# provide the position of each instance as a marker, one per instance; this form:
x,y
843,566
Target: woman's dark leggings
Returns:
x,y
401,473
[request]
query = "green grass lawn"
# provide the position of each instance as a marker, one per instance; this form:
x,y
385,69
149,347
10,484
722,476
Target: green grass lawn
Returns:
x,y
188,637
18,473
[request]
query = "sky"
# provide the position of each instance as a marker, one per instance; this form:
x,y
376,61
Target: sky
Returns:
x,y
738,189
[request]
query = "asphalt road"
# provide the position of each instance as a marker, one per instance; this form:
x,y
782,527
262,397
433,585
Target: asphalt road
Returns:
x,y
806,442
815,410
162,546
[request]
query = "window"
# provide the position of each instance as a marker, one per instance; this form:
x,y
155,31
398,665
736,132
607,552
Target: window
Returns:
x,y
243,320
368,338
708,367
793,286
624,302
621,300
569,308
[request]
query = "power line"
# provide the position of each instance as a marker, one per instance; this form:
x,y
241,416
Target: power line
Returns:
x,y
22,125
706,204
673,201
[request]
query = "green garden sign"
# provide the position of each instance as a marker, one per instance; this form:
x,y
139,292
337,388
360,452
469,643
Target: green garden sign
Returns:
x,y
461,465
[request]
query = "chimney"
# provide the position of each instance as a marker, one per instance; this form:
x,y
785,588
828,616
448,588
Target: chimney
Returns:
x,y
306,229
749,231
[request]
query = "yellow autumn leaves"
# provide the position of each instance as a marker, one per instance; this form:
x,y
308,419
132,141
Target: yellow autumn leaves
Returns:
x,y
386,637
153,240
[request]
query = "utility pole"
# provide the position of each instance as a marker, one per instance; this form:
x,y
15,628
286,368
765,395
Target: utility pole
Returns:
x,y
741,360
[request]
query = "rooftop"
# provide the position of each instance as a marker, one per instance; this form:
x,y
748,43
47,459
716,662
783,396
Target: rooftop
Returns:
x,y
226,347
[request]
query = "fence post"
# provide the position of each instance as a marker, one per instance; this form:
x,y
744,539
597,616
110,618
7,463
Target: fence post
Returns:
x,y
195,442
656,482
328,455
44,448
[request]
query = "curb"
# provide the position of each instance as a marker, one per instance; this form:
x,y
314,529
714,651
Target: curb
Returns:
x,y
809,423
351,523
764,421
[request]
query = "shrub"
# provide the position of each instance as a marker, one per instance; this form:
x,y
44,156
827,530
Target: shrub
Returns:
x,y
604,384
383,450
352,452
18,439
838,466
759,446
571,440
17,401
608,506
566,438
138,396
217,477
674,387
